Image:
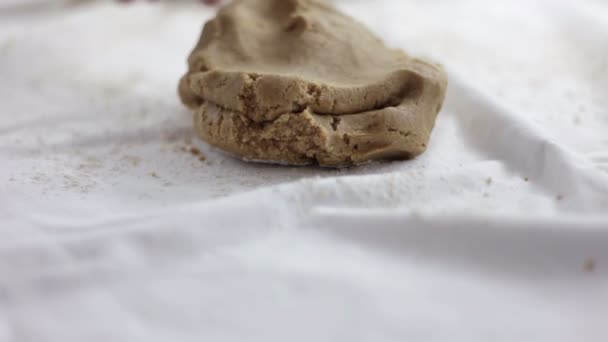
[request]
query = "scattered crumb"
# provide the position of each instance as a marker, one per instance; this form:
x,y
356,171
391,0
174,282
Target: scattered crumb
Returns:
x,y
116,149
171,137
131,159
90,163
153,174
489,181
559,197
110,90
167,184
195,151
79,183
12,179
577,120
143,196
486,195
589,265
323,194
526,179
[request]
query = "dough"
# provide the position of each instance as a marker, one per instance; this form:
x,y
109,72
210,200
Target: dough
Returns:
x,y
297,82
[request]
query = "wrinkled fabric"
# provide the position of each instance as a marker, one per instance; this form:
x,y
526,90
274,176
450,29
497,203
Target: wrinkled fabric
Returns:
x,y
118,224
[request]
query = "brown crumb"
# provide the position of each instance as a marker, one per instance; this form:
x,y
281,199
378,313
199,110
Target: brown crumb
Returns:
x,y
153,174
589,265
171,138
195,151
526,179
202,158
559,197
133,160
489,181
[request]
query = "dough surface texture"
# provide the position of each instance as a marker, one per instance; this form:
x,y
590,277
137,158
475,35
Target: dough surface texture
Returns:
x,y
297,82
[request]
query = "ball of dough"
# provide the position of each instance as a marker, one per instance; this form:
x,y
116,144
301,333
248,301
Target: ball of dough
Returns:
x,y
297,82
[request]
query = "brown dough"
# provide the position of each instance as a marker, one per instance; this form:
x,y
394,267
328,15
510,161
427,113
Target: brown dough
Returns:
x,y
297,82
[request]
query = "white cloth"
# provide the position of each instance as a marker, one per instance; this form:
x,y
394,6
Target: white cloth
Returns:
x,y
111,230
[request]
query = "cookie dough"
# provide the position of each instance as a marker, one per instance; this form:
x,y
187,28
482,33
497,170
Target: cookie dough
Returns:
x,y
297,82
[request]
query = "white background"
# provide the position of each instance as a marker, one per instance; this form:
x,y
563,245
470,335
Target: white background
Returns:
x,y
111,230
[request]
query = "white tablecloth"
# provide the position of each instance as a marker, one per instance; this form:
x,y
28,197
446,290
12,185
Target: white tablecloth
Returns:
x,y
112,229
